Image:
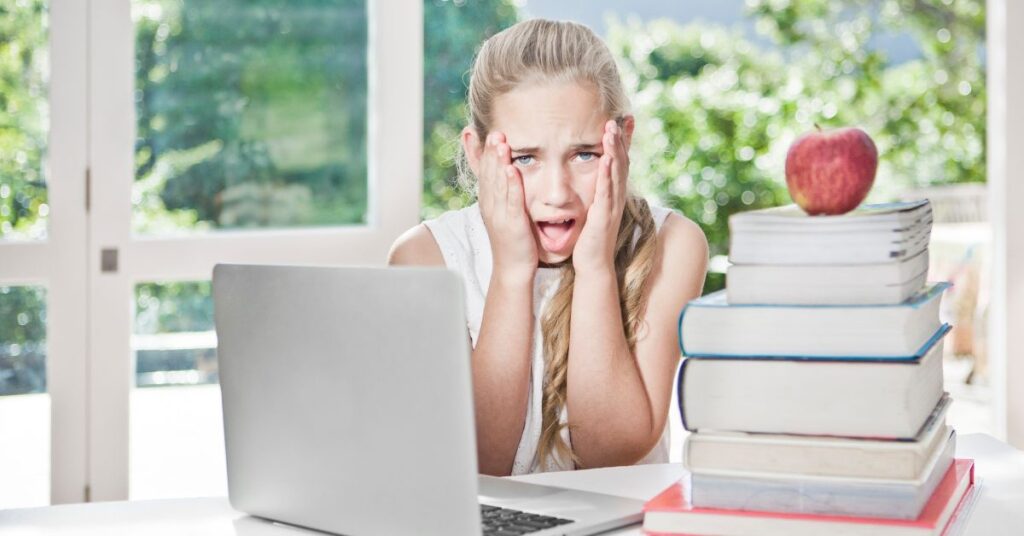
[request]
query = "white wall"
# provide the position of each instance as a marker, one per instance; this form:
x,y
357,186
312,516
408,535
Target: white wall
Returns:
x,y
1005,165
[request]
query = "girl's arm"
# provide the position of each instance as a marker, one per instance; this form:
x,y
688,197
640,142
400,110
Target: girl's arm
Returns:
x,y
501,359
618,402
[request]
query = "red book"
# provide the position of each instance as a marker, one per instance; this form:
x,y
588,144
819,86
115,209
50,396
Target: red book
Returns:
x,y
672,513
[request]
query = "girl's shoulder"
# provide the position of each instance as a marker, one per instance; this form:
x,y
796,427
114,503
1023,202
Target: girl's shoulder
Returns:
x,y
660,214
416,247
462,219
460,235
682,242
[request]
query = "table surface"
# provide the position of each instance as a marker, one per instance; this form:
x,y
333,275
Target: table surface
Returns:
x,y
998,510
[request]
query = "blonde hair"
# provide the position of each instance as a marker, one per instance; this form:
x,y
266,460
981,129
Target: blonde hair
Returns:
x,y
544,51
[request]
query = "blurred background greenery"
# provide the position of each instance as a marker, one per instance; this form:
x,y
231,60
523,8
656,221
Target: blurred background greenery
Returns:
x,y
252,113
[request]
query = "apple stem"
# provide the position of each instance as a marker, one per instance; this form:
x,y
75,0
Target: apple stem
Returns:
x,y
817,126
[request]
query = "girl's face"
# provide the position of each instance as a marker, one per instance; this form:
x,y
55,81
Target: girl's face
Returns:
x,y
555,131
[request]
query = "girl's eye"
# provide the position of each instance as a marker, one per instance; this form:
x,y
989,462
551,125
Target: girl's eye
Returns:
x,y
586,156
524,160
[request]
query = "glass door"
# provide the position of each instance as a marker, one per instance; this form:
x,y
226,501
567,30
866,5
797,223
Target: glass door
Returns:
x,y
43,175
271,131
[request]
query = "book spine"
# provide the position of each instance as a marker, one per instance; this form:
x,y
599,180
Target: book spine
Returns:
x,y
682,314
679,393
789,356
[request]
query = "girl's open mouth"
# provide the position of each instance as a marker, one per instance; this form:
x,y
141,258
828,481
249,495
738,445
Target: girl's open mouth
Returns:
x,y
555,235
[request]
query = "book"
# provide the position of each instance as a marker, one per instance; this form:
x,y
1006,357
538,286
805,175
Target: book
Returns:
x,y
875,216
836,398
739,453
870,234
672,512
709,326
826,249
841,284
801,494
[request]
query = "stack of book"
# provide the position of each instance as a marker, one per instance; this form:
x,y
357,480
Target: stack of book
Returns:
x,y
812,385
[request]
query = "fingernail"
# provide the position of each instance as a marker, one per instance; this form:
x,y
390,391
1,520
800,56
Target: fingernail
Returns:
x,y
614,128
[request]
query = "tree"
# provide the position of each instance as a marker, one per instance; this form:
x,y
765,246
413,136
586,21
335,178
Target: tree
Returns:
x,y
23,118
453,31
252,112
23,194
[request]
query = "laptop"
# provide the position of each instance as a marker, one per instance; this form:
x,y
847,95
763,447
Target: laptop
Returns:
x,y
348,408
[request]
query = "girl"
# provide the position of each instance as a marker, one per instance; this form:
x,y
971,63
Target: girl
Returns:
x,y
573,286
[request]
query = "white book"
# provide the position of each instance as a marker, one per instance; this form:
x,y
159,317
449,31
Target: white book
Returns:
x,y
870,234
825,249
836,398
766,455
843,284
870,217
799,494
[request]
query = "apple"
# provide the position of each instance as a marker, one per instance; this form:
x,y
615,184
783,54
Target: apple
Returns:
x,y
831,171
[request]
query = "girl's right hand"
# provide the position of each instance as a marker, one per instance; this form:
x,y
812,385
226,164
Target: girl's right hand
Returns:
x,y
503,206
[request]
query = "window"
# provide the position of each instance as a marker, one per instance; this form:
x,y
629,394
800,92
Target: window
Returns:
x,y
249,114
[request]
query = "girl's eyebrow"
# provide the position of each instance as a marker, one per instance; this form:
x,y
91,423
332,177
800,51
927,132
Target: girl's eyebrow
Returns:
x,y
581,146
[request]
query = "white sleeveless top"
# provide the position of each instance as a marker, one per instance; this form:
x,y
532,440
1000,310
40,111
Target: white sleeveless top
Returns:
x,y
466,248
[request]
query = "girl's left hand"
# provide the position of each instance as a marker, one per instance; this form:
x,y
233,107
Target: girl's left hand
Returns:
x,y
595,248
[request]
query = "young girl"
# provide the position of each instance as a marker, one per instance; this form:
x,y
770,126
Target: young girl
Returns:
x,y
573,285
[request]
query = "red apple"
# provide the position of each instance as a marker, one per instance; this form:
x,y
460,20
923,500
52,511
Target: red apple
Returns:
x,y
831,172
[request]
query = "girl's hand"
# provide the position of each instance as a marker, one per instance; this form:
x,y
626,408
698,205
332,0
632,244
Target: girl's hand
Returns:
x,y
503,206
595,248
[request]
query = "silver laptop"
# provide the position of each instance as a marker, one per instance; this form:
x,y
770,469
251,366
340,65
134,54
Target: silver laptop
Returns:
x,y
348,409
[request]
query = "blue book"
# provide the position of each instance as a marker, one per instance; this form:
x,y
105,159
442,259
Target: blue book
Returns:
x,y
711,327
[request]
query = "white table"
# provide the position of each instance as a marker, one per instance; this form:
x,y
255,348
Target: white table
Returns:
x,y
999,509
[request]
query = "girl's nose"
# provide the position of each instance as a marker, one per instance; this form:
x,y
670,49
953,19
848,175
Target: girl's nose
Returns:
x,y
557,187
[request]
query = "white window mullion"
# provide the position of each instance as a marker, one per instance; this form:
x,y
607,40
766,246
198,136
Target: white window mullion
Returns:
x,y
396,115
66,252
111,146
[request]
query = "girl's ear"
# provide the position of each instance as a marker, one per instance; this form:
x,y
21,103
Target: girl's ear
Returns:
x,y
473,146
628,123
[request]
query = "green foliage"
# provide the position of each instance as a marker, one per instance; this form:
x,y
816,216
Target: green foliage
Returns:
x,y
23,118
277,87
22,340
453,30
173,307
703,143
716,113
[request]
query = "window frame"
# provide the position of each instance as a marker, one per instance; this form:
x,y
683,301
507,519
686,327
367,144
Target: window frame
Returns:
x,y
1005,133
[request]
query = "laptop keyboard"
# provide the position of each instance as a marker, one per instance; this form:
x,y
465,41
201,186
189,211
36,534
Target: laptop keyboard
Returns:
x,y
507,522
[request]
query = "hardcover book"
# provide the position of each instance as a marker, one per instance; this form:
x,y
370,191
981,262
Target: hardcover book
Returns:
x,y
801,494
836,398
710,326
672,512
739,453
